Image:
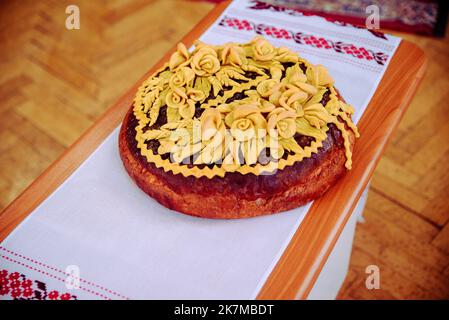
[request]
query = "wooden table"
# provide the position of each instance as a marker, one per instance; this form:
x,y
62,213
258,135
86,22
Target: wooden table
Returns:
x,y
299,266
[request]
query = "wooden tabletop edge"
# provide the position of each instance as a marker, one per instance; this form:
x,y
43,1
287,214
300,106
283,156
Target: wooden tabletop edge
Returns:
x,y
294,279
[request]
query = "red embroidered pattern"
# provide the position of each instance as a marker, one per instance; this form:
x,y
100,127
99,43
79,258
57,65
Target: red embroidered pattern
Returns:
x,y
18,287
53,272
304,39
260,5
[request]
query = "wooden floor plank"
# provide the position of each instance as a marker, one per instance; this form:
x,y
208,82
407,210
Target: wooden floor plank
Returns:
x,y
393,285
380,236
50,120
389,187
442,240
393,214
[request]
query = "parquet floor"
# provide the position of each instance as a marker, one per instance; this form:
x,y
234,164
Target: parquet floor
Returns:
x,y
54,83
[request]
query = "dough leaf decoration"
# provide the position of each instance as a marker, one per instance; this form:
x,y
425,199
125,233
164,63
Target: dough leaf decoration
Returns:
x,y
216,85
203,84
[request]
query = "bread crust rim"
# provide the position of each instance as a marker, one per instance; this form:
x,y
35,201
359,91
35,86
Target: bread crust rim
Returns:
x,y
229,205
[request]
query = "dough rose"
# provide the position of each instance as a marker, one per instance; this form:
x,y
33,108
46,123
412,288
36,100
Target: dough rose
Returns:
x,y
195,95
281,122
205,62
246,122
233,55
316,115
319,76
210,123
267,87
292,98
176,98
179,57
263,50
183,76
284,54
187,110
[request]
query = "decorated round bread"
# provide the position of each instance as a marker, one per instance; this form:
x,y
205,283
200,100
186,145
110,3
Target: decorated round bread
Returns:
x,y
237,130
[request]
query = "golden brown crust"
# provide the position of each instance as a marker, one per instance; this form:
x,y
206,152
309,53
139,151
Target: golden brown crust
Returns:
x,y
286,189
